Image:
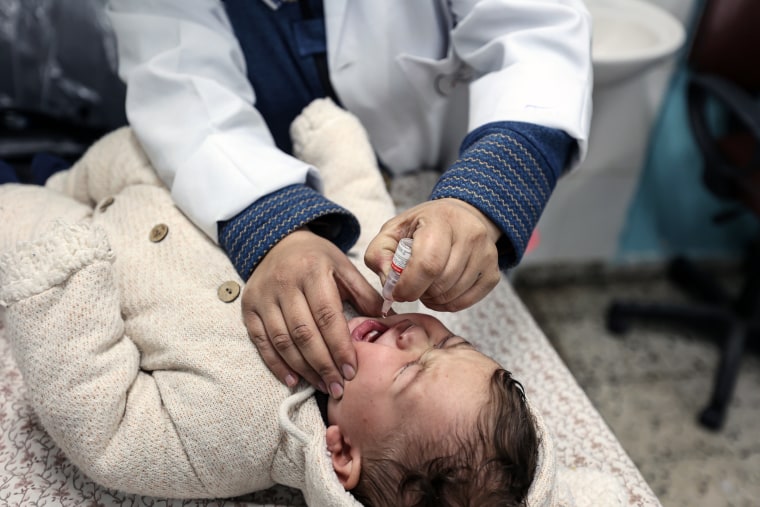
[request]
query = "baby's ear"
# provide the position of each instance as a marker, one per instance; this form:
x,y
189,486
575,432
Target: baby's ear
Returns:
x,y
346,459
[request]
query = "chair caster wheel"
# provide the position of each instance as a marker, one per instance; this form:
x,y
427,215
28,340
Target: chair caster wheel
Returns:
x,y
617,322
712,418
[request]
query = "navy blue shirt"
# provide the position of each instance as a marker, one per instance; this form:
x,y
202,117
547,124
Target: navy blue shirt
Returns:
x,y
507,170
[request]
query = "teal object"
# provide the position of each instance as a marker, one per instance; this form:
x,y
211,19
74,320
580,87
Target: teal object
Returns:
x,y
672,211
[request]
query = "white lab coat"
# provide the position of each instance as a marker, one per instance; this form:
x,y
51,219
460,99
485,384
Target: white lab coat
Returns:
x,y
419,74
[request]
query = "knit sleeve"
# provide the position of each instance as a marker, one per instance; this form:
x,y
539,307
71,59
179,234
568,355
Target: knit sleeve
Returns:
x,y
508,170
248,236
82,371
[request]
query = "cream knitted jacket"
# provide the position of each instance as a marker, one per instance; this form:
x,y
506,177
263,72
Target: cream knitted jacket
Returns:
x,y
125,322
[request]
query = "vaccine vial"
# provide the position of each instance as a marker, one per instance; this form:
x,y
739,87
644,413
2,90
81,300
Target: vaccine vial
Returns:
x,y
400,258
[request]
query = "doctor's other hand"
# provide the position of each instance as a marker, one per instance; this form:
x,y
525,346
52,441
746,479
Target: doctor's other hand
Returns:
x,y
293,310
454,262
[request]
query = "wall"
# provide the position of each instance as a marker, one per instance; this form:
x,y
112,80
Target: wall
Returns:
x,y
590,214
672,212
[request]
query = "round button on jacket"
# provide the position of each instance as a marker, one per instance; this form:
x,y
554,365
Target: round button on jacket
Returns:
x,y
106,203
158,232
228,291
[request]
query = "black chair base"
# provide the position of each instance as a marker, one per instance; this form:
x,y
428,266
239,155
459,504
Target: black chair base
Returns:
x,y
734,321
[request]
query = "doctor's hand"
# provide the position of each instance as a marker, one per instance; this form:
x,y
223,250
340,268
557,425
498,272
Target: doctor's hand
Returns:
x,y
454,261
293,310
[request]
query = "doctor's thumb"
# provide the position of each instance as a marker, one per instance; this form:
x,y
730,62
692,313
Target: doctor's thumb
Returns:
x,y
379,255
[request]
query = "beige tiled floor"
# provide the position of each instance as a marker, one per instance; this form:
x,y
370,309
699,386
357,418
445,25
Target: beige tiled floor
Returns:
x,y
650,384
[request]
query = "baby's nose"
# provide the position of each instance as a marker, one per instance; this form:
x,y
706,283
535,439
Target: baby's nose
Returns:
x,y
411,337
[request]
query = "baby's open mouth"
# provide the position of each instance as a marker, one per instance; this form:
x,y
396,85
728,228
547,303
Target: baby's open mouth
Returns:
x,y
368,331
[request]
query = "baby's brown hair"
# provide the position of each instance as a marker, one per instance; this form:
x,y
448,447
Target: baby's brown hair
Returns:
x,y
491,464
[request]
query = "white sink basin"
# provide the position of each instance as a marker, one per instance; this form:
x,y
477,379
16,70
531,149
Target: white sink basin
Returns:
x,y
629,36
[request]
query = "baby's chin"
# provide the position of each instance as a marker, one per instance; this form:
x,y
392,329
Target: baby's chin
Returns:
x,y
331,412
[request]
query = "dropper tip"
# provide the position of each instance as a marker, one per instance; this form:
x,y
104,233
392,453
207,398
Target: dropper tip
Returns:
x,y
386,307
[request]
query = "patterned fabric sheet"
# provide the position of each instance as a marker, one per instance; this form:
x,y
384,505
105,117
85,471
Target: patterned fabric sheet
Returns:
x,y
34,471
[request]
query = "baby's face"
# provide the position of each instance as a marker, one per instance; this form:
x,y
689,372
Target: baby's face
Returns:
x,y
413,375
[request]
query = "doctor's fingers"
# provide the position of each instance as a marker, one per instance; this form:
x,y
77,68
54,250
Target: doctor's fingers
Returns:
x,y
329,351
433,276
292,338
434,263
305,349
469,264
279,335
479,278
475,293
380,250
406,224
276,364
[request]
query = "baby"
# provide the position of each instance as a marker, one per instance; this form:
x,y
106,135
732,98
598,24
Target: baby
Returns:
x,y
125,321
429,420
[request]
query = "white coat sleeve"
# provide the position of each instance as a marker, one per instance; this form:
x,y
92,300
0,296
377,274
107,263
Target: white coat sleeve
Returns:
x,y
531,62
192,108
82,372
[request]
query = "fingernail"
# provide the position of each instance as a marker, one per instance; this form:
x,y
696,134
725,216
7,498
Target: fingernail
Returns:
x,y
322,387
336,389
290,380
348,371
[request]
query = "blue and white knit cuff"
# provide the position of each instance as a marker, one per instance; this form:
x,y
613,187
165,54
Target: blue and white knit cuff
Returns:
x,y
508,170
248,236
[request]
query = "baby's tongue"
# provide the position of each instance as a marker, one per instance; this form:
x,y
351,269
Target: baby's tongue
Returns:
x,y
368,331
